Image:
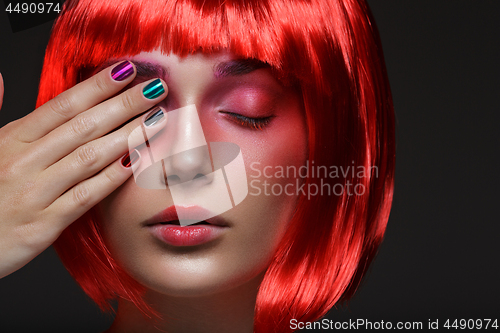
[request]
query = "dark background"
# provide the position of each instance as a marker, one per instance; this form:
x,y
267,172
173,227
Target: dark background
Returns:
x,y
440,257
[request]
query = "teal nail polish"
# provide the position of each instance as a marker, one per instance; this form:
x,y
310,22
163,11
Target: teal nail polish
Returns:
x,y
153,89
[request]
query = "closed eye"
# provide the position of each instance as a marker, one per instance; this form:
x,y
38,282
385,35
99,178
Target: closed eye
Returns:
x,y
253,123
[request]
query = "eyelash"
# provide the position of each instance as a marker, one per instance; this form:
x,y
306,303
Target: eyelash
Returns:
x,y
252,123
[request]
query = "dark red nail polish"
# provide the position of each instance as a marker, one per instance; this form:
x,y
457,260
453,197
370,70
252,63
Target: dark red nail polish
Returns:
x,y
130,158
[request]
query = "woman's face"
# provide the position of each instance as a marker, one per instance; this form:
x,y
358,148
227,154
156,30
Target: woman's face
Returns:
x,y
244,105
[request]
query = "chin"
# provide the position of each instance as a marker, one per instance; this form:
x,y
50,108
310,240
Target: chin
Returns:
x,y
195,274
199,284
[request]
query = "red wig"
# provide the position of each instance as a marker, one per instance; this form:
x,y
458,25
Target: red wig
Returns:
x,y
331,50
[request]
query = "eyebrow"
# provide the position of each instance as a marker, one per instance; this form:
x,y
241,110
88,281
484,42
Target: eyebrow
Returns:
x,y
224,69
238,67
145,70
150,70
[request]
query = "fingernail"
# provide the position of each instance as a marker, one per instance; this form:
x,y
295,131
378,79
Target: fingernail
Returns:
x,y
130,158
154,117
122,71
153,89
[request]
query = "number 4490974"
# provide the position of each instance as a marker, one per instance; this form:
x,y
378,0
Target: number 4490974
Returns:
x,y
33,8
471,324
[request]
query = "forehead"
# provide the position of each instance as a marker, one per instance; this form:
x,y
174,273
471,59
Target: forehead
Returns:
x,y
196,59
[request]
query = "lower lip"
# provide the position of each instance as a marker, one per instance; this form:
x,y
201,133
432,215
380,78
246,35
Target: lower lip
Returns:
x,y
186,236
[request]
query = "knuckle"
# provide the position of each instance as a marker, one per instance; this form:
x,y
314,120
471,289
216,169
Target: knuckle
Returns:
x,y
11,169
61,104
83,125
86,155
128,102
81,195
8,171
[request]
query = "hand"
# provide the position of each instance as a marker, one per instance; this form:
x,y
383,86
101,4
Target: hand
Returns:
x,y
64,157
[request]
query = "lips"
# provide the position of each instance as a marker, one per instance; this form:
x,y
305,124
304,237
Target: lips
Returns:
x,y
166,227
194,214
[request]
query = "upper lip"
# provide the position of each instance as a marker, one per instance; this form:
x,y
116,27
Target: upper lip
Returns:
x,y
190,212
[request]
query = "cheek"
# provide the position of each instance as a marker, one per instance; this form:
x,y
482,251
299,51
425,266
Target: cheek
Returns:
x,y
272,195
282,144
270,188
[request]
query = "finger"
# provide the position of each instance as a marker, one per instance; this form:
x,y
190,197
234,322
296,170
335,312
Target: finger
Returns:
x,y
75,100
89,159
97,121
1,91
88,193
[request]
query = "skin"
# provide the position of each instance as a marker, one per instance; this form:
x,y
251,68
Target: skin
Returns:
x,y
210,287
65,157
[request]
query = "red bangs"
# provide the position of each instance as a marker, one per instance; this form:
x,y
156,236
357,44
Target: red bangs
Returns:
x,y
280,33
102,30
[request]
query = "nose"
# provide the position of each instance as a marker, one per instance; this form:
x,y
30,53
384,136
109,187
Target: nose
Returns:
x,y
179,157
186,153
190,165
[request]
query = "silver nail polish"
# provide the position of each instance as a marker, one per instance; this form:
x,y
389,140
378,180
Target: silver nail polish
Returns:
x,y
154,117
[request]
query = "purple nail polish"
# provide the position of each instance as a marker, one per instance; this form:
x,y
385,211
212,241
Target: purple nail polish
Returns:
x,y
122,71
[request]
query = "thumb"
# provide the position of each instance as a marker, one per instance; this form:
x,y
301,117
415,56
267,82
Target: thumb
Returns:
x,y
1,90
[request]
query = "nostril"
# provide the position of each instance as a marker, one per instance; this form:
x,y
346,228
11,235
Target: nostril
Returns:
x,y
173,179
199,176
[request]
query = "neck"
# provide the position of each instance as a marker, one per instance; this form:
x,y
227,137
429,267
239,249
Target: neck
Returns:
x,y
225,312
